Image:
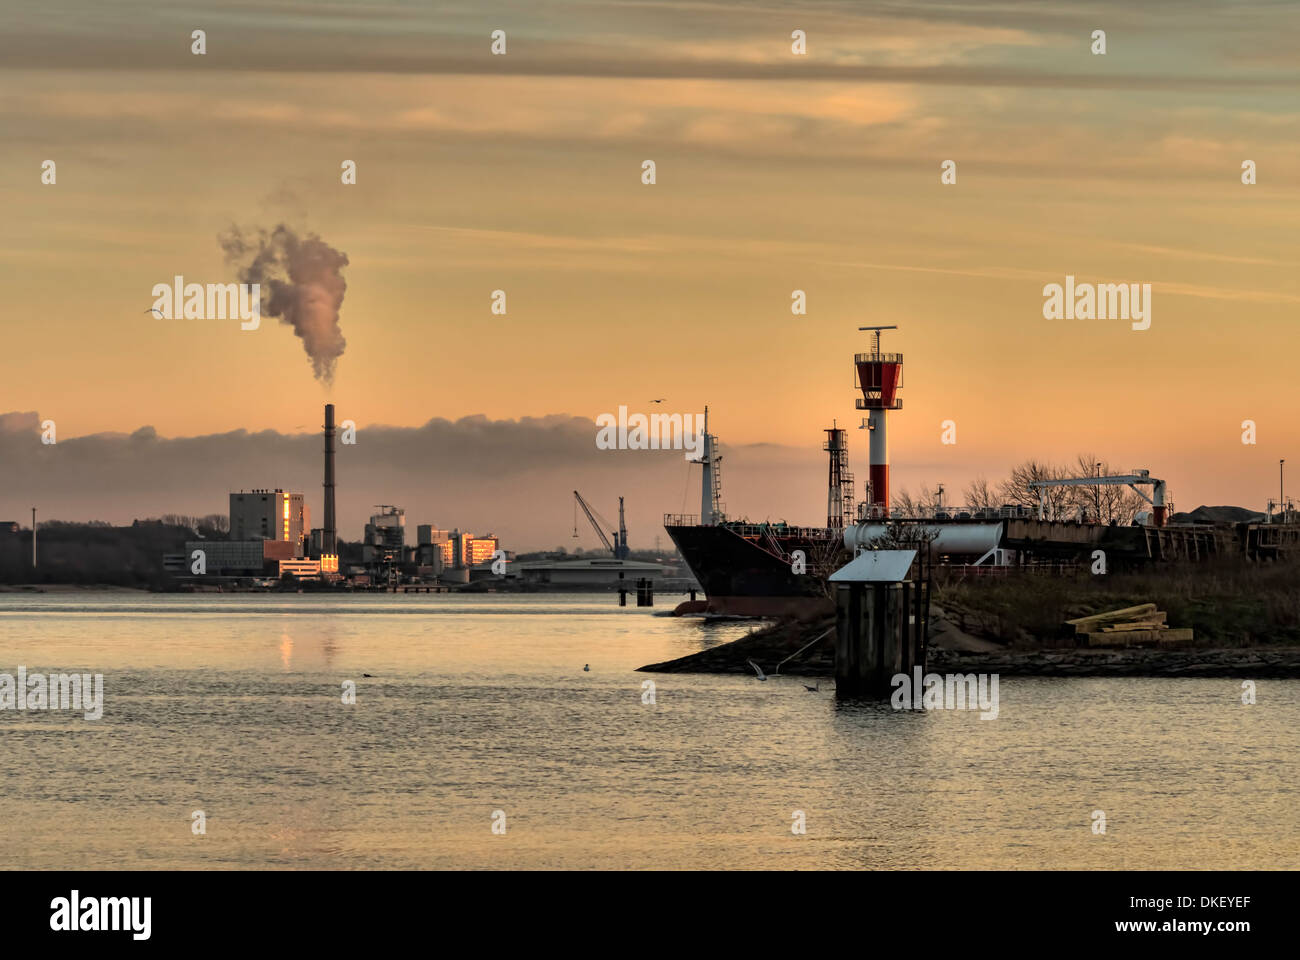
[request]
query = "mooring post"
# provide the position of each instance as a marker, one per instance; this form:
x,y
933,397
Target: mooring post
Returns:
x,y
848,637
877,635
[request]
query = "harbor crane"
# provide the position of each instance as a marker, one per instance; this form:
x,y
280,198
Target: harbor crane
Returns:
x,y
1159,510
598,523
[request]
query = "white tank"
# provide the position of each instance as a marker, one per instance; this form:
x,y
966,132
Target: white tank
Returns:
x,y
953,538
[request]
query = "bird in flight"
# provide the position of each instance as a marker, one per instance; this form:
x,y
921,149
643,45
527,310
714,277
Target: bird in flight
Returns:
x,y
757,669
153,310
813,689
660,400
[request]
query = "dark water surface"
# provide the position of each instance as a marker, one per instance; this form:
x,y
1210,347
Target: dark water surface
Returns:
x,y
232,705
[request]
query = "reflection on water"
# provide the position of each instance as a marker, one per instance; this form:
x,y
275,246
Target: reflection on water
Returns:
x,y
233,705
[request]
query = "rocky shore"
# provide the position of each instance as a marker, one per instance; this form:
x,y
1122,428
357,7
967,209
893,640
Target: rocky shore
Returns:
x,y
776,649
806,648
1238,662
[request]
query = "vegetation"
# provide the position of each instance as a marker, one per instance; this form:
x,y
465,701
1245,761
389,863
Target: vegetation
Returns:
x,y
92,553
1227,604
1104,503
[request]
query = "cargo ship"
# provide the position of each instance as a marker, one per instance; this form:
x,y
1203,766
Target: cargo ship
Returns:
x,y
763,569
776,569
748,569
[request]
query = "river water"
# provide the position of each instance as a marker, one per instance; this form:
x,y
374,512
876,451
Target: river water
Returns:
x,y
478,712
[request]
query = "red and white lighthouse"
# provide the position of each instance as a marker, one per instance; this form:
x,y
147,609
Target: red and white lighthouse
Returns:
x,y
879,375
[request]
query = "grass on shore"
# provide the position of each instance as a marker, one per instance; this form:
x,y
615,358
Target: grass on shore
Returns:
x,y
1226,604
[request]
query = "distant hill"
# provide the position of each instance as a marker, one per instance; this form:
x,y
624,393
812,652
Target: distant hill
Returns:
x,y
1219,515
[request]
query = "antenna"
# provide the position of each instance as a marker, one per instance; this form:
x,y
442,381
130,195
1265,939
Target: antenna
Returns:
x,y
875,335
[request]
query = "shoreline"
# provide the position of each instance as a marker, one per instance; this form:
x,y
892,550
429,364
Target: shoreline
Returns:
x,y
776,649
69,588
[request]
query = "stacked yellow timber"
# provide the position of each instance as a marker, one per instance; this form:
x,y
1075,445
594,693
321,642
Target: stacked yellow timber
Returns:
x,y
1132,626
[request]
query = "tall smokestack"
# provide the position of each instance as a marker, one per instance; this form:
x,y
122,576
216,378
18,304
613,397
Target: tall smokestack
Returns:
x,y
328,544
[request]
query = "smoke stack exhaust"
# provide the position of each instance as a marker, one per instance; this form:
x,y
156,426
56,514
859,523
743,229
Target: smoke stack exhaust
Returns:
x,y
328,544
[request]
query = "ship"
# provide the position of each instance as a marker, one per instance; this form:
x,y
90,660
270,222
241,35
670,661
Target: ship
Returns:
x,y
748,569
769,569
778,569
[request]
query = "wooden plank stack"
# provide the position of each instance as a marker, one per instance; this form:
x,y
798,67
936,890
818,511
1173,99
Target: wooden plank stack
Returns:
x,y
1142,625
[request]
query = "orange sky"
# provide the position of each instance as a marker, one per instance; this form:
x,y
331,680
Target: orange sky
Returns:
x,y
775,173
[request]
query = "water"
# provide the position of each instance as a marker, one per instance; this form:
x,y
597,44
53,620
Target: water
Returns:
x,y
232,705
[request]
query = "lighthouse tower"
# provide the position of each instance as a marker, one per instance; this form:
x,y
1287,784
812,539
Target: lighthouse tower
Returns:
x,y
879,375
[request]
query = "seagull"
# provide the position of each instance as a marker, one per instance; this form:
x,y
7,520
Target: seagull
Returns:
x,y
660,400
813,689
367,675
153,310
757,669
586,668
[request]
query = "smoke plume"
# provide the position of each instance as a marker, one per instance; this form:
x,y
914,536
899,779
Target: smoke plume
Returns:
x,y
302,285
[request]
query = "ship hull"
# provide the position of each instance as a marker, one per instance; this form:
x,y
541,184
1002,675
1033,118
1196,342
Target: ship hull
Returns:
x,y
741,578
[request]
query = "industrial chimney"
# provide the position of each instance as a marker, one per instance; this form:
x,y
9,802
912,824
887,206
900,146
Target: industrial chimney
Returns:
x,y
328,543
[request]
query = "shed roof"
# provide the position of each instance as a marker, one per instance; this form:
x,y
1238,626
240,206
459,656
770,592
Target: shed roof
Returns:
x,y
876,566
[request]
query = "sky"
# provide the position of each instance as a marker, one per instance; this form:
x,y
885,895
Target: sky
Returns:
x,y
522,172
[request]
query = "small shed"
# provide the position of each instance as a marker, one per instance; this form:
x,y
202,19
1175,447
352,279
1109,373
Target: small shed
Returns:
x,y
882,605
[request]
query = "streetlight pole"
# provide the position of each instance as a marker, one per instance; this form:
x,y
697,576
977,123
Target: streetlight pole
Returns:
x,y
33,538
1281,503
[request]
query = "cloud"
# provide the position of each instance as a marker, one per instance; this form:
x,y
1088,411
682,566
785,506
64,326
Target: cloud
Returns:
x,y
514,478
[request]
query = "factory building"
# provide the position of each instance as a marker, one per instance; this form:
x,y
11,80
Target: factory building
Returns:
x,y
236,558
429,549
427,533
385,535
478,550
270,515
300,567
461,549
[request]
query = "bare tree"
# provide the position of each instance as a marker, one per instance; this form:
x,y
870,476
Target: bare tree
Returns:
x,y
1091,499
825,556
180,520
216,521
1109,503
1100,503
1016,489
903,536
904,503
979,495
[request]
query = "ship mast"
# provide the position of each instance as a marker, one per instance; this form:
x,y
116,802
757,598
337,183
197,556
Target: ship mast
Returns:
x,y
711,483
